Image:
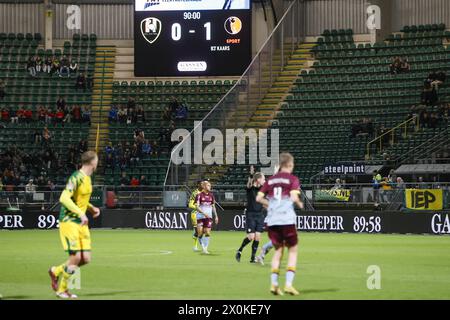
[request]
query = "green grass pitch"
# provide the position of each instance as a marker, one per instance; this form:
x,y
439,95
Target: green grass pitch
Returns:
x,y
144,264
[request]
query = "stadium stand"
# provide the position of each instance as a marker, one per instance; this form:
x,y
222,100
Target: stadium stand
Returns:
x,y
351,83
157,121
36,140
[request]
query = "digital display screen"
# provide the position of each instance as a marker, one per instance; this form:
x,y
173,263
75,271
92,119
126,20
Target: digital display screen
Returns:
x,y
192,37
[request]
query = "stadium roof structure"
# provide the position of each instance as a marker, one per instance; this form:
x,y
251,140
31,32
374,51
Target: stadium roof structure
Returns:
x,y
423,169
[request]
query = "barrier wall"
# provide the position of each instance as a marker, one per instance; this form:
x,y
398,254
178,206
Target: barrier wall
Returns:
x,y
234,220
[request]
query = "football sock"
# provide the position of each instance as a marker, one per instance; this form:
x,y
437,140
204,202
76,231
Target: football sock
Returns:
x,y
255,245
66,274
200,240
206,242
290,274
274,276
245,242
59,269
195,234
266,247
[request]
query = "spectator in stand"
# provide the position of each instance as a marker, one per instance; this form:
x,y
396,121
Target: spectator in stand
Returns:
x,y
146,147
37,137
400,183
89,82
14,117
433,121
404,66
31,66
337,185
131,104
112,116
28,113
68,115
76,113
376,180
46,136
61,103
55,66
39,64
122,114
41,112
109,161
86,115
135,155
49,116
5,115
82,146
2,89
73,67
47,67
59,116
436,79
167,114
81,82
124,180
64,70
155,148
395,66
421,184
143,181
181,112
428,96
134,182
174,105
18,115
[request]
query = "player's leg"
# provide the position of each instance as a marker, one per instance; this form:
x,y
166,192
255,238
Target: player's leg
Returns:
x,y
275,272
249,238
275,236
200,231
292,244
206,238
68,271
195,232
255,246
264,250
259,228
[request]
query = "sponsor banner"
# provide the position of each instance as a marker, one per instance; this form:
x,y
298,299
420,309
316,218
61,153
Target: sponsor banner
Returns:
x,y
332,195
347,168
424,199
235,220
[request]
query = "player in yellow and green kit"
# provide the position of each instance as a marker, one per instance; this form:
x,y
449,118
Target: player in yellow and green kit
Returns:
x,y
193,206
73,224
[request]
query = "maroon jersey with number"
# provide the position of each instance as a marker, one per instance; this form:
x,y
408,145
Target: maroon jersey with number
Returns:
x,y
278,191
205,201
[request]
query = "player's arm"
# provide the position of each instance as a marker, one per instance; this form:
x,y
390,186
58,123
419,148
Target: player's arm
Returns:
x,y
93,210
66,200
261,199
296,199
261,196
192,205
214,210
250,177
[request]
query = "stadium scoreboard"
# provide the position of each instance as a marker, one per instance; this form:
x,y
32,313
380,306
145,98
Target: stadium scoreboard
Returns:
x,y
191,37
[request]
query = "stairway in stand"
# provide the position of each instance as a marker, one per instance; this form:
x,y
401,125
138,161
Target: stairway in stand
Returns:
x,y
101,102
265,111
271,103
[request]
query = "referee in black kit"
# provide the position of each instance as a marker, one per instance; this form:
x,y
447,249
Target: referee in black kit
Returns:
x,y
254,214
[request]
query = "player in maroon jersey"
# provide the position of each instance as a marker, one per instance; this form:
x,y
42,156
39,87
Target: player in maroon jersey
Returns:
x,y
282,191
206,208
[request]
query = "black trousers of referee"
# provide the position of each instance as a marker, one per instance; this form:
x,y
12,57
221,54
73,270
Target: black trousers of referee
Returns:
x,y
255,223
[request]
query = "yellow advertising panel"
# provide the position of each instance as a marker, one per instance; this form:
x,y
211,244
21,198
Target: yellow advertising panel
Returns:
x,y
424,199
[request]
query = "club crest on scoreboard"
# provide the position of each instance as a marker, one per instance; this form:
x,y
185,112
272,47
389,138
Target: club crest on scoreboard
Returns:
x,y
151,29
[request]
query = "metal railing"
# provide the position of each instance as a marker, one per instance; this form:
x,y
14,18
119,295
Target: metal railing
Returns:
x,y
392,134
314,195
238,105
